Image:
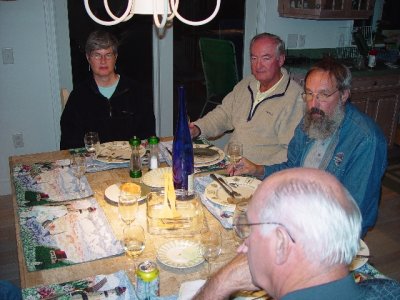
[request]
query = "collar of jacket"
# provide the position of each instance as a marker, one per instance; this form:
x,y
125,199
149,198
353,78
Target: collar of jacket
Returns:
x,y
279,92
121,88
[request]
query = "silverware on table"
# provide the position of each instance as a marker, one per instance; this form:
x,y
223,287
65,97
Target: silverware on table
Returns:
x,y
231,192
91,289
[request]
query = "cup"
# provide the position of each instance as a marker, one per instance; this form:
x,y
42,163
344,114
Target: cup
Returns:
x,y
134,240
239,214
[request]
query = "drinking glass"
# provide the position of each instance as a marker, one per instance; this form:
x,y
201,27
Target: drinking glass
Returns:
x,y
127,207
210,247
239,216
134,240
234,153
78,166
92,145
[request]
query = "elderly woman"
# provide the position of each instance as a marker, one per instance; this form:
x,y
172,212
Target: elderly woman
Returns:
x,y
113,105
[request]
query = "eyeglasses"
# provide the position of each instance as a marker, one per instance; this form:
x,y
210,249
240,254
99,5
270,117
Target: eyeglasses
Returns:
x,y
321,97
98,56
242,229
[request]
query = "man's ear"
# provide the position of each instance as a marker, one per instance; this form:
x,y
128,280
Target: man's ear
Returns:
x,y
282,246
344,96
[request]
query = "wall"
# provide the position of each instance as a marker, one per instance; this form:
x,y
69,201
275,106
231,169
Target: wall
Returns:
x,y
29,88
262,16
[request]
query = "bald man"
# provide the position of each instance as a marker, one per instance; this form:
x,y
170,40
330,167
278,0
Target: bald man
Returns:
x,y
301,233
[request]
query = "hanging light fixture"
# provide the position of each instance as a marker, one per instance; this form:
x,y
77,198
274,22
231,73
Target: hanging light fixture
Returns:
x,y
167,8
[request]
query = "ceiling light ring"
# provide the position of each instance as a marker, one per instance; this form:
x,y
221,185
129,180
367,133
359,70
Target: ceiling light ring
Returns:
x,y
108,23
129,15
174,8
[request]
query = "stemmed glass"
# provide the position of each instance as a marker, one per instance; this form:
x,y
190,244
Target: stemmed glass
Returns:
x,y
92,145
134,240
239,217
234,153
78,166
210,247
127,207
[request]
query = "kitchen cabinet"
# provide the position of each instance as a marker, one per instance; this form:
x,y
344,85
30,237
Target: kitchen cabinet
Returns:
x,y
326,9
378,97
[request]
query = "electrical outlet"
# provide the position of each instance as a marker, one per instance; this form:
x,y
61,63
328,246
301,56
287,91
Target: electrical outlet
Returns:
x,y
292,40
302,40
18,140
8,56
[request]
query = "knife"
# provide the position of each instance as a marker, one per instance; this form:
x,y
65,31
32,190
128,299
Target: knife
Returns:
x,y
225,186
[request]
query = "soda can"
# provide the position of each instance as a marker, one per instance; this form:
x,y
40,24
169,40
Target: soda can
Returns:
x,y
147,280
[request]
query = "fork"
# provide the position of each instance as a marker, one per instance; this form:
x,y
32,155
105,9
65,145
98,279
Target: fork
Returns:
x,y
90,289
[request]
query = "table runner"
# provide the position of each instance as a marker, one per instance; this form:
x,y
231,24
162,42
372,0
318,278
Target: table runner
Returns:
x,y
56,231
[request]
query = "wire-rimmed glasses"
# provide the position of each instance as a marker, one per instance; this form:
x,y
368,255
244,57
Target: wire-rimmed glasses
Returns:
x,y
322,97
243,228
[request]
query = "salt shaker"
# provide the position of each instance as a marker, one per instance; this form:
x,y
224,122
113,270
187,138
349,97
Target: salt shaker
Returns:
x,y
154,152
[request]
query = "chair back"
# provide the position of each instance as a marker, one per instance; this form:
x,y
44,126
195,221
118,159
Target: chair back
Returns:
x,y
64,94
218,59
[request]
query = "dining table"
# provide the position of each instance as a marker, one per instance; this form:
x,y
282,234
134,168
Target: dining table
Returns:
x,y
170,278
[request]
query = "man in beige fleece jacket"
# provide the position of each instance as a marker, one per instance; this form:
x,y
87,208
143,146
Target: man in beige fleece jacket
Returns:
x,y
263,109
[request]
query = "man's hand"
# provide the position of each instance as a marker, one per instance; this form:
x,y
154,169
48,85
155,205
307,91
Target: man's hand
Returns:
x,y
194,130
245,166
233,277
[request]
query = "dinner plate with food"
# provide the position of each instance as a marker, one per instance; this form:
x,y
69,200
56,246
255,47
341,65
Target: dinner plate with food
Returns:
x,y
117,152
207,155
113,192
245,186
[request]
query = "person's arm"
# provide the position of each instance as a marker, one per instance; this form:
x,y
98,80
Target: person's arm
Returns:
x,y
233,277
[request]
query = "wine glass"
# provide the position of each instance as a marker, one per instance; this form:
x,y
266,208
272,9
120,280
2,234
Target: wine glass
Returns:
x,y
92,145
78,166
210,247
239,217
234,153
134,240
127,207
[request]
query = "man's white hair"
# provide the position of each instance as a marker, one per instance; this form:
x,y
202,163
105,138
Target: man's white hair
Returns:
x,y
328,230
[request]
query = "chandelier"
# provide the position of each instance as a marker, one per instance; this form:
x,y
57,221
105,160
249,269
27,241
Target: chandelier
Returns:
x,y
168,9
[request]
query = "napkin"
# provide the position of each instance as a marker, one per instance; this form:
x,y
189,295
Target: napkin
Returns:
x,y
223,213
189,288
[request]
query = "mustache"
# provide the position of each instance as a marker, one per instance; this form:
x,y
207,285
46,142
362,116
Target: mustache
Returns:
x,y
315,110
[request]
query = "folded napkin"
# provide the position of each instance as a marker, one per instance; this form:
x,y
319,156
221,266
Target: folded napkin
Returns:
x,y
189,288
223,213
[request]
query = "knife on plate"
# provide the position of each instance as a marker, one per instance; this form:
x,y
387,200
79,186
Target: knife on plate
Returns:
x,y
225,186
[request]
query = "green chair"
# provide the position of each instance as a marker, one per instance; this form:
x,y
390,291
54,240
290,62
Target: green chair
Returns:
x,y
218,59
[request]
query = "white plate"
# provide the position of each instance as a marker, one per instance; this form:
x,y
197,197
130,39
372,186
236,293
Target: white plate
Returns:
x,y
205,161
243,185
117,152
180,254
155,178
113,191
359,262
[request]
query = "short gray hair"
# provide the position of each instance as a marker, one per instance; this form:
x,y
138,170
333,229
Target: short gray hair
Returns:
x,y
100,39
335,69
327,230
280,44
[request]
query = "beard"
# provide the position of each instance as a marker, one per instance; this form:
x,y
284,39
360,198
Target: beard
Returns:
x,y
318,125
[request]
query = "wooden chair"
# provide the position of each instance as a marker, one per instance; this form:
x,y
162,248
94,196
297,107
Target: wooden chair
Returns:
x,y
218,59
64,94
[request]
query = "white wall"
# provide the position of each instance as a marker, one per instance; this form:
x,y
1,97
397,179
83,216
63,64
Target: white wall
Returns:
x,y
29,97
262,16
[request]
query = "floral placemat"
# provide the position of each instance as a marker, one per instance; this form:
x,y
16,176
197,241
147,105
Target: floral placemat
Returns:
x,y
64,234
116,286
47,182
